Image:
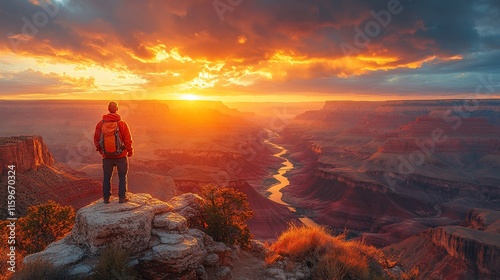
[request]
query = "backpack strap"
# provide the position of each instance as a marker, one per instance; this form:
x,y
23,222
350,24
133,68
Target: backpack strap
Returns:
x,y
102,123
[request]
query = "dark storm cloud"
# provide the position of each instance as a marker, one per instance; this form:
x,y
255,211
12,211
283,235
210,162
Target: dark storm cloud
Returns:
x,y
448,26
312,27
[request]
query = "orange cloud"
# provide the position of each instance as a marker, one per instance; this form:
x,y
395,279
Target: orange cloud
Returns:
x,y
177,47
40,82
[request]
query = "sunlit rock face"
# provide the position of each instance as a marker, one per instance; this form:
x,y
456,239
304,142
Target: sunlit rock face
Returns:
x,y
153,232
25,152
40,178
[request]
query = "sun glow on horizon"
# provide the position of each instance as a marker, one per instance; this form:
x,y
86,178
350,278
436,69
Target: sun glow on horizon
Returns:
x,y
189,97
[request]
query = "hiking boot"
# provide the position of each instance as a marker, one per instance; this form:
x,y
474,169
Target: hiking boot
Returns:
x,y
123,200
106,200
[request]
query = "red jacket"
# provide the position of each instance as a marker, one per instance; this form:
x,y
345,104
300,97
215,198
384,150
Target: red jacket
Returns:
x,y
124,133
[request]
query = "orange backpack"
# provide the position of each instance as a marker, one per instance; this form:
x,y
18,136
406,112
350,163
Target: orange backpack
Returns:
x,y
111,142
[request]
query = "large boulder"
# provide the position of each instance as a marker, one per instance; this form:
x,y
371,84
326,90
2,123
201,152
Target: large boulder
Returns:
x,y
127,225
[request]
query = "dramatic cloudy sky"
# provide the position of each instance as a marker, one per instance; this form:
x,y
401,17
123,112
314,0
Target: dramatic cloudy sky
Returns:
x,y
250,50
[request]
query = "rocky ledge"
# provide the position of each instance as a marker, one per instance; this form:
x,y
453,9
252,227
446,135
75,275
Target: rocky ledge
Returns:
x,y
479,249
155,233
454,252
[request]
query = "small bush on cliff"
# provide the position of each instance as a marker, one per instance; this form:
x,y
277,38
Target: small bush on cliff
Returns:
x,y
44,224
225,212
327,256
113,263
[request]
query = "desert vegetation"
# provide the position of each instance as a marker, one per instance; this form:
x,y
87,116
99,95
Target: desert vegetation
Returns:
x,y
225,212
113,264
44,224
326,256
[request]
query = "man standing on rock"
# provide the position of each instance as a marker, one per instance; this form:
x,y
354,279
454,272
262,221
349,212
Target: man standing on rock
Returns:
x,y
113,140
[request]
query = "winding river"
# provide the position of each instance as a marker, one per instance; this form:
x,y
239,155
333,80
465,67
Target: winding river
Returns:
x,y
275,190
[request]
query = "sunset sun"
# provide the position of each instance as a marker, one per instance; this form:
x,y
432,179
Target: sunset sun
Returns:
x,y
189,97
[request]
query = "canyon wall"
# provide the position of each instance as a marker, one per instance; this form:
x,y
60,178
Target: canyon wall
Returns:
x,y
479,249
389,170
484,219
39,178
25,152
471,251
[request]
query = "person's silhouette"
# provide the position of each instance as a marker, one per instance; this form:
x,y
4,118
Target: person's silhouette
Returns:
x,y
118,159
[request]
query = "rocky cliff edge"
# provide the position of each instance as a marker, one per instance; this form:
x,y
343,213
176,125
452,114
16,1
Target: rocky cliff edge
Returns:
x,y
155,233
455,252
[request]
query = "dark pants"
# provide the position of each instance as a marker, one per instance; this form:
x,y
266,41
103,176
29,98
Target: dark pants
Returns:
x,y
108,165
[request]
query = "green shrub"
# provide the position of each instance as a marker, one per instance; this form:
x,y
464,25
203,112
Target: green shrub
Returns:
x,y
225,212
44,224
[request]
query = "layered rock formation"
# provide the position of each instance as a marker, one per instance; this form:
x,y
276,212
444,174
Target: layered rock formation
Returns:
x,y
39,178
406,173
479,249
25,152
154,233
393,169
454,252
484,219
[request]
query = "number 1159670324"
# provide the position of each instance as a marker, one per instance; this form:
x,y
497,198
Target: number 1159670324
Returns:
x,y
11,190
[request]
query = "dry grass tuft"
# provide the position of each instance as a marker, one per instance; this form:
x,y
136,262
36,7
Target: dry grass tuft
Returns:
x,y
327,256
114,264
